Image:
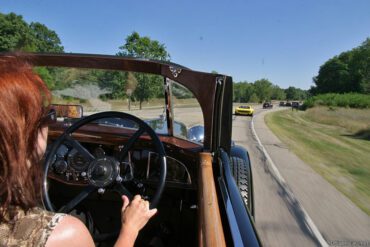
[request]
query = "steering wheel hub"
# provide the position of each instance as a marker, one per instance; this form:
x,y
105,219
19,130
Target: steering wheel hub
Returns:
x,y
103,171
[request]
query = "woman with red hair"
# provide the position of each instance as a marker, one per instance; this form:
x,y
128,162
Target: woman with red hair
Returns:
x,y
24,114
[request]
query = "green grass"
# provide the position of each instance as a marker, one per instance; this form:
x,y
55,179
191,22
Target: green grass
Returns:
x,y
350,100
335,142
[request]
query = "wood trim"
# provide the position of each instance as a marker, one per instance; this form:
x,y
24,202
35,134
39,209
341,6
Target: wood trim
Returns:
x,y
197,82
210,231
109,135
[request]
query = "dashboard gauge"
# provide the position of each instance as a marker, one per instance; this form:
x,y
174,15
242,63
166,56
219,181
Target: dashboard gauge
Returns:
x,y
176,170
77,161
60,166
62,151
99,152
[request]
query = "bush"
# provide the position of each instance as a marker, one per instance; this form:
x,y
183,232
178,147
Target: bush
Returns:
x,y
351,100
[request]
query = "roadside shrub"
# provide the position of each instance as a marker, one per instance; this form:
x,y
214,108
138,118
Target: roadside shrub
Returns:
x,y
350,100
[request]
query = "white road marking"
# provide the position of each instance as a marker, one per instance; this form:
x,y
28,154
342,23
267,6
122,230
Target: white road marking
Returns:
x,y
308,221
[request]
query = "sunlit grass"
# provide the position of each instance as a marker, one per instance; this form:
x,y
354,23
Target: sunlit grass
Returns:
x,y
334,142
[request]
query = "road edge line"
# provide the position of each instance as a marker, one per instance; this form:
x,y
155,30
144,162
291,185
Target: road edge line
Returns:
x,y
309,222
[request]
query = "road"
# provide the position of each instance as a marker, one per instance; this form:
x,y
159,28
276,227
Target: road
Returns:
x,y
294,205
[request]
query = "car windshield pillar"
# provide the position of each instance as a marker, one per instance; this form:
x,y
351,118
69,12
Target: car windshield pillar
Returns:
x,y
169,106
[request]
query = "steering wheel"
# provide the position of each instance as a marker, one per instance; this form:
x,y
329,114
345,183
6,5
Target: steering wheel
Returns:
x,y
104,172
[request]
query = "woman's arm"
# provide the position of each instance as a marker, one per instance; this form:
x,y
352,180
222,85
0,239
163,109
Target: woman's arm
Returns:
x,y
72,232
135,215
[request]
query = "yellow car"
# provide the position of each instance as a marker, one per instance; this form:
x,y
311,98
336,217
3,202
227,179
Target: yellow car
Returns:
x,y
244,110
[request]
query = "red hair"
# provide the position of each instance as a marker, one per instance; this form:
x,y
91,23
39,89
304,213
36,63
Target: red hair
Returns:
x,y
23,101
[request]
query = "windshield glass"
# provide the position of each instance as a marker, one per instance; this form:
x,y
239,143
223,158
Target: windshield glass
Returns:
x,y
139,94
186,110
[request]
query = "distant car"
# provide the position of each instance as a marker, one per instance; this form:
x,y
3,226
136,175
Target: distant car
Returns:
x,y
288,104
244,110
282,103
295,104
267,105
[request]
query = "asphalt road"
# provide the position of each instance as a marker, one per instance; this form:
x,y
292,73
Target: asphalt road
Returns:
x,y
294,205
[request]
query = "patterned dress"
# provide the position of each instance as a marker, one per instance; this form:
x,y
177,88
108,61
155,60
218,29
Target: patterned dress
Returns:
x,y
31,229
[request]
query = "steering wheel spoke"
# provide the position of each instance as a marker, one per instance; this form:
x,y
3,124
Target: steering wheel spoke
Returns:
x,y
81,149
75,201
130,143
122,190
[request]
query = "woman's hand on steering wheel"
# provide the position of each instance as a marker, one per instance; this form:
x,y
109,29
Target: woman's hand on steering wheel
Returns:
x,y
136,214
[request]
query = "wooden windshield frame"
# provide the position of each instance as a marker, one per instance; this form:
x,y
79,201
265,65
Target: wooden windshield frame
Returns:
x,y
202,85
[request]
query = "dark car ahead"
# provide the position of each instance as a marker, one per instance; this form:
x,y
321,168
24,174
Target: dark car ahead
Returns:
x,y
295,105
267,105
106,146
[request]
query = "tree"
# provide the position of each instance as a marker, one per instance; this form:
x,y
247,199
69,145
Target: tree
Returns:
x,y
18,35
46,40
243,91
15,34
334,76
277,93
254,98
143,47
248,91
46,76
115,82
237,95
347,72
148,86
360,65
263,89
293,93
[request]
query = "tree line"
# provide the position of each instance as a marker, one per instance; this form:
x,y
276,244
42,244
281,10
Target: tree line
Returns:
x,y
263,90
346,72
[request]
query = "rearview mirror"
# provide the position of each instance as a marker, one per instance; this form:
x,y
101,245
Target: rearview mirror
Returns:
x,y
68,111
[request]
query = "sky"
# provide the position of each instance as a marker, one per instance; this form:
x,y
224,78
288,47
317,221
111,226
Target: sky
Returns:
x,y
284,41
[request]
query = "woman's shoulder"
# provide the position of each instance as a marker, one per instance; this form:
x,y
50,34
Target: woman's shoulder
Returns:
x,y
30,228
38,227
70,232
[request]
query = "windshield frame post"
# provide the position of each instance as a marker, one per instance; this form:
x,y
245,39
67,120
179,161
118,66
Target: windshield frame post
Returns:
x,y
168,105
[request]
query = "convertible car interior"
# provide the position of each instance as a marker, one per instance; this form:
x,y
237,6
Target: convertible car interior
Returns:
x,y
127,126
99,162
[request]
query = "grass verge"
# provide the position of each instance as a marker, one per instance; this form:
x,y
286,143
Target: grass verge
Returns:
x,y
352,100
335,142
